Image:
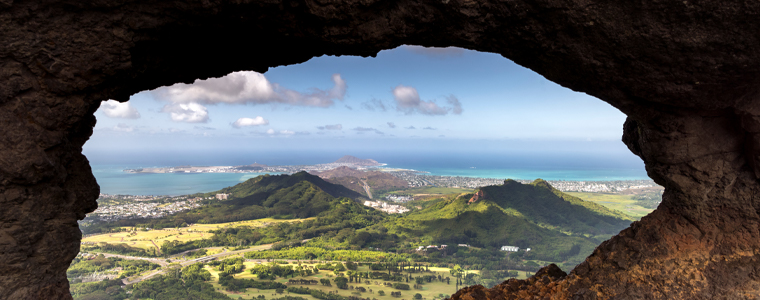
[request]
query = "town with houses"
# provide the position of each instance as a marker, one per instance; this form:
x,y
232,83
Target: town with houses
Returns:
x,y
148,206
115,207
414,178
386,207
133,206
418,179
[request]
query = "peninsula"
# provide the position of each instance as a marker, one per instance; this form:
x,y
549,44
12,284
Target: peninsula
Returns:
x,y
345,161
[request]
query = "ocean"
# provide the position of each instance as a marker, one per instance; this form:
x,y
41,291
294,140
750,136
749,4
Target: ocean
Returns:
x,y
549,166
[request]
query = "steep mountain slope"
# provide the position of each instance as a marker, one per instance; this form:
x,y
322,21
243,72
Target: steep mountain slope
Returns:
x,y
300,195
486,224
354,179
549,207
266,184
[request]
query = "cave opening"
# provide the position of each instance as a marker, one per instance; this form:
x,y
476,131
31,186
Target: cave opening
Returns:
x,y
433,110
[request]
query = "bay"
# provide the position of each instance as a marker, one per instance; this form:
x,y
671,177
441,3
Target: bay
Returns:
x,y
575,167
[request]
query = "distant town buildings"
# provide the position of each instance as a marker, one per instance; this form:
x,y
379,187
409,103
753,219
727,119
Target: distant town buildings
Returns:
x,y
419,179
431,247
142,209
221,196
399,198
510,248
386,207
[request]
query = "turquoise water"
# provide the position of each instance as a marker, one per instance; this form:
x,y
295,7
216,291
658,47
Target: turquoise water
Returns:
x,y
108,169
113,180
546,174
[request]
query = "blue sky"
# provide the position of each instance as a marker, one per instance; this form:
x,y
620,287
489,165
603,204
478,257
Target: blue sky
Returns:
x,y
410,96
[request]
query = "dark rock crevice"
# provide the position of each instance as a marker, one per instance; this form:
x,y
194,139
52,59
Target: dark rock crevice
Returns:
x,y
686,74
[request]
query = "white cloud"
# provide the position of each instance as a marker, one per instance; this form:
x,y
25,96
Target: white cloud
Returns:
x,y
411,127
429,128
367,129
374,104
243,122
249,87
391,125
123,127
116,109
330,127
286,133
409,102
456,107
435,52
186,112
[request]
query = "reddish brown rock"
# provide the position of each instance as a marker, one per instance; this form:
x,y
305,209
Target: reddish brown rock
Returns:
x,y
545,284
685,72
479,195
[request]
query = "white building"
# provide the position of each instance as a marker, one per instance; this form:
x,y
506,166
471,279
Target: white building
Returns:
x,y
510,248
221,196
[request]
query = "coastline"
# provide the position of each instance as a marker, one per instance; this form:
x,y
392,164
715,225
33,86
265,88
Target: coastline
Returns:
x,y
114,180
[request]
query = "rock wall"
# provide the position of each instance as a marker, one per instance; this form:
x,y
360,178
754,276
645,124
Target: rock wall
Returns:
x,y
684,72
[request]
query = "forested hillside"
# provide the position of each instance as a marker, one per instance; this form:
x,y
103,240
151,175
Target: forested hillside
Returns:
x,y
544,205
556,226
485,224
300,195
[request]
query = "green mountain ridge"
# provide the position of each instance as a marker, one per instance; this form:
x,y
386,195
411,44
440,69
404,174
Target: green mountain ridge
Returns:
x,y
267,184
549,207
557,227
485,224
300,195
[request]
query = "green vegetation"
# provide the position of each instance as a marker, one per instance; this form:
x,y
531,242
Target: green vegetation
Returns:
x,y
300,195
238,285
545,205
190,283
650,199
484,224
106,289
120,249
81,266
556,226
317,253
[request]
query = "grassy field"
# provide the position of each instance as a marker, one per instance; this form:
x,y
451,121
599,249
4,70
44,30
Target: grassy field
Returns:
x,y
146,239
623,203
430,290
